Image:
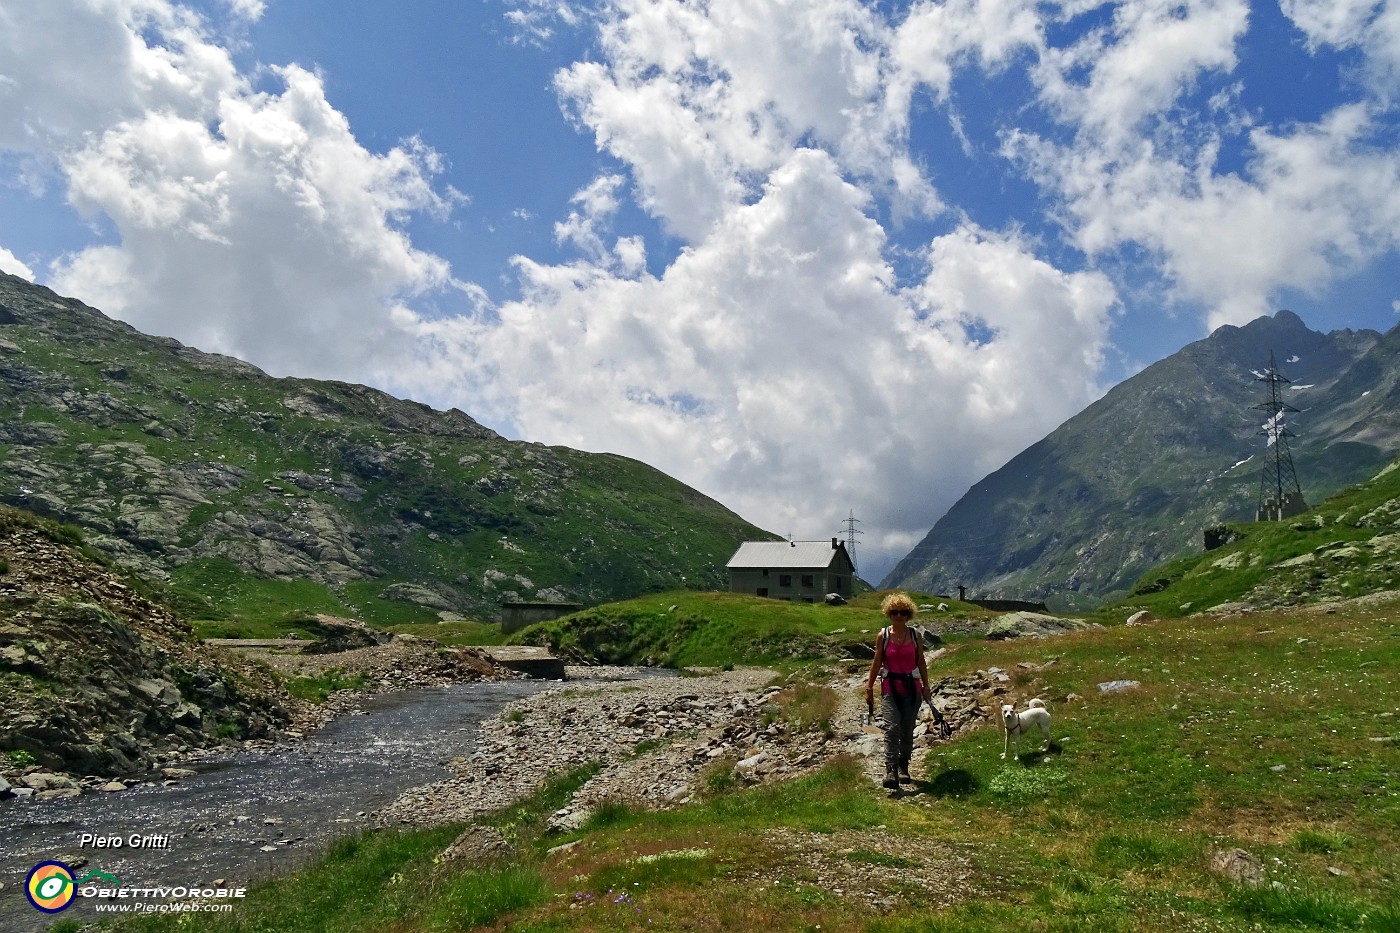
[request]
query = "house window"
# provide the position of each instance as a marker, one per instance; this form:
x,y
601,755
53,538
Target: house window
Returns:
x,y
763,591
806,579
765,571
785,579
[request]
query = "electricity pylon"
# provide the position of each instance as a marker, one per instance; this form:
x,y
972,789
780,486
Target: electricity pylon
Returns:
x,y
851,531
1279,493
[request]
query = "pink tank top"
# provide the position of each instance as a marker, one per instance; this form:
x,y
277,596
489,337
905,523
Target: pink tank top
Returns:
x,y
899,658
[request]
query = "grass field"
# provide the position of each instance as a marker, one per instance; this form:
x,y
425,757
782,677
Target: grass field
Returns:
x,y
685,628
454,634
1277,733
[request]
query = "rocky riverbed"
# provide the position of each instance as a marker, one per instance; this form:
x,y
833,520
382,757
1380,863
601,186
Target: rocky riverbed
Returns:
x,y
660,738
400,663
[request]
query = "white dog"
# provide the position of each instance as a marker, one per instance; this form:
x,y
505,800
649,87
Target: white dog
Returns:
x,y
1014,723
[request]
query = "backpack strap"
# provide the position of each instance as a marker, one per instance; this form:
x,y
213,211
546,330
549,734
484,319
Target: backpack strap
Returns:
x,y
913,633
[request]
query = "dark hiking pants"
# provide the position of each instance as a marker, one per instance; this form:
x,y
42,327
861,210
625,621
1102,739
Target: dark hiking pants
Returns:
x,y
898,714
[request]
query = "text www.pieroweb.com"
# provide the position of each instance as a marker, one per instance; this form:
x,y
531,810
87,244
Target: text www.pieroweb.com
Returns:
x,y
138,908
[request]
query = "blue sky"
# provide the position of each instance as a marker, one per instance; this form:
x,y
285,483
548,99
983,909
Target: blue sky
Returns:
x,y
808,257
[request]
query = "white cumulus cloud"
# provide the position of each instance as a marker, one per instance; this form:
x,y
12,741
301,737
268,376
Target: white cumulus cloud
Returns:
x,y
1137,167
777,363
827,323
248,222
10,263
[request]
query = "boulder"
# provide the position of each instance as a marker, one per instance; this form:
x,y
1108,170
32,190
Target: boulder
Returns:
x,y
927,637
1032,624
337,635
418,595
45,780
1239,866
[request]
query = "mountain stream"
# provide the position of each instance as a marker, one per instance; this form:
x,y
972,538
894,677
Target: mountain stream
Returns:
x,y
246,815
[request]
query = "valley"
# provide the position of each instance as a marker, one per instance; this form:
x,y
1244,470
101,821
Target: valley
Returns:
x,y
1216,725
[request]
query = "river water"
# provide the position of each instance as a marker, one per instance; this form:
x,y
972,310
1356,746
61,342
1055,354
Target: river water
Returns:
x,y
213,827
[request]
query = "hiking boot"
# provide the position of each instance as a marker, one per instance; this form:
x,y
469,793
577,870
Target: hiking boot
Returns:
x,y
891,779
904,777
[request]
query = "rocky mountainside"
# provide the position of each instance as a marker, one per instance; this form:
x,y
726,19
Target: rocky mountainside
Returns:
x,y
1135,478
97,678
1344,550
239,488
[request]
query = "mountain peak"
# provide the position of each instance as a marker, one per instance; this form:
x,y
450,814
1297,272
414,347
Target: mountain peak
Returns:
x,y
1134,479
1280,322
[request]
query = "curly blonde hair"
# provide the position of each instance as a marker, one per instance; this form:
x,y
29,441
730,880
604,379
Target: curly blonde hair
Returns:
x,y
898,601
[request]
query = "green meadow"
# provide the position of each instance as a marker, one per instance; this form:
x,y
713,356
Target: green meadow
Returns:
x,y
684,628
1273,732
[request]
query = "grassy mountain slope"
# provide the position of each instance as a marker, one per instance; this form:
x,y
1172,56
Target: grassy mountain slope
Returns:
x,y
1348,546
1135,478
256,495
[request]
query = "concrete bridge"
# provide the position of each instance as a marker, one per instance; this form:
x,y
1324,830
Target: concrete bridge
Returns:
x,y
528,660
531,661
289,643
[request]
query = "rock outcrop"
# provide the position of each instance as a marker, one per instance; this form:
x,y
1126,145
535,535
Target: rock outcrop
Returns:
x,y
1032,625
98,679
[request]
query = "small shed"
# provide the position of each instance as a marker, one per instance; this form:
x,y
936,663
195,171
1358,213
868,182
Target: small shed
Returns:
x,y
517,615
801,571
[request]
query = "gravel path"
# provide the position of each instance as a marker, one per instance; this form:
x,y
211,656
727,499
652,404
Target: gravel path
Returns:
x,y
657,737
660,737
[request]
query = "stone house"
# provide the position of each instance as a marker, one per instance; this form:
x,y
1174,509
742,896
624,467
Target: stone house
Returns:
x,y
803,571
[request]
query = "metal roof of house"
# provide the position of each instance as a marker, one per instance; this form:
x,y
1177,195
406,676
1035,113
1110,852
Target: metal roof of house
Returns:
x,y
791,555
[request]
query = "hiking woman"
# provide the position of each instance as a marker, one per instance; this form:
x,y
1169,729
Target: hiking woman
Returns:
x,y
900,657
